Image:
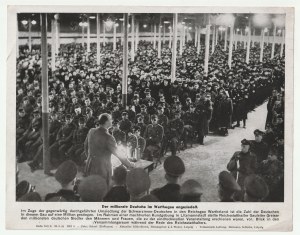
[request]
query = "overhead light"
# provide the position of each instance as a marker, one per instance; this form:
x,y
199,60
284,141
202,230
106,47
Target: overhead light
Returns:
x,y
279,31
56,16
24,22
246,17
116,24
92,17
266,30
85,24
238,30
33,22
121,19
183,22
160,26
144,26
80,24
129,25
185,27
166,22
169,27
190,28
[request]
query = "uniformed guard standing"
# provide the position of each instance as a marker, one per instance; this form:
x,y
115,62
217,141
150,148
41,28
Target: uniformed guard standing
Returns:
x,y
176,128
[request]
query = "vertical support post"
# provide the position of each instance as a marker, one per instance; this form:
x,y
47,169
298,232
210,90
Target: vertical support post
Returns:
x,y
57,46
230,46
248,45
137,29
174,48
262,43
132,38
217,35
52,46
115,37
282,43
45,101
104,34
199,41
164,33
29,35
125,61
88,39
207,36
159,39
273,42
170,36
225,39
213,39
98,38
154,37
196,35
181,39
82,42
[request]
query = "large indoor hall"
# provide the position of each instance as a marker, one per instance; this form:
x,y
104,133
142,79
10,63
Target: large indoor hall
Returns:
x,y
150,107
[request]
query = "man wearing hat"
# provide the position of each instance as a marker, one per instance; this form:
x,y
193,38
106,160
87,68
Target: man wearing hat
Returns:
x,y
153,135
191,191
258,147
125,124
145,114
138,183
99,146
120,136
92,189
256,189
175,132
242,164
227,187
65,175
174,169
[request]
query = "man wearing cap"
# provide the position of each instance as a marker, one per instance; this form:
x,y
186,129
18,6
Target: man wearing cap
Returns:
x,y
242,164
66,176
125,124
153,135
258,147
175,132
227,187
174,169
191,191
63,139
138,183
255,188
120,136
99,146
145,114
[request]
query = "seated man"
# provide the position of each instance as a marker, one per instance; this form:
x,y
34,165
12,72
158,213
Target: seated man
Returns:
x,y
92,189
256,189
227,187
176,128
153,136
141,142
191,191
174,169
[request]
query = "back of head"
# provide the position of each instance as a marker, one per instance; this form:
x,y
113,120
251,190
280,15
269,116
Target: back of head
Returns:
x,y
103,118
30,197
119,175
66,172
174,166
92,189
137,181
256,188
191,191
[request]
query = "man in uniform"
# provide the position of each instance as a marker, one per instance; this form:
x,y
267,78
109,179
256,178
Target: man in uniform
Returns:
x,y
227,187
99,145
176,128
141,124
125,124
120,136
242,164
153,135
258,147
174,169
256,189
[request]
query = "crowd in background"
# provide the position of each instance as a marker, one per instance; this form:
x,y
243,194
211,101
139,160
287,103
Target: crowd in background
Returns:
x,y
160,115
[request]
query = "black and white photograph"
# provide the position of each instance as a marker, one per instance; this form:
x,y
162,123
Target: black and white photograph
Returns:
x,y
150,107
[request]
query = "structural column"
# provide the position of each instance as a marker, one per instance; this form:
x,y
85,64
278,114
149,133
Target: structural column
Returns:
x,y
170,36
230,46
225,39
132,38
164,33
137,35
207,36
159,40
174,48
273,42
282,42
213,39
98,38
88,38
29,35
196,35
45,97
154,37
125,61
248,45
114,37
199,41
82,43
181,40
104,34
57,35
262,43
52,46
217,35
